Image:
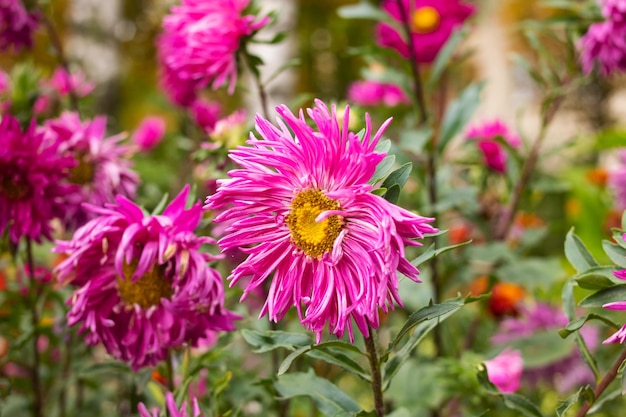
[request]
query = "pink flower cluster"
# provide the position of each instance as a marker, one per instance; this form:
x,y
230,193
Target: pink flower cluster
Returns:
x,y
485,135
505,370
374,93
199,45
17,25
604,44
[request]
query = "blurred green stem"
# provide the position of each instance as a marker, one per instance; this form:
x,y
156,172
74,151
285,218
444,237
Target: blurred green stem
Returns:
x,y
170,371
34,297
374,361
604,383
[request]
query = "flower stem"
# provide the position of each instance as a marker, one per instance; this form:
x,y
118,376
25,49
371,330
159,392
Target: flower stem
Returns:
x,y
170,371
58,47
34,293
374,361
604,383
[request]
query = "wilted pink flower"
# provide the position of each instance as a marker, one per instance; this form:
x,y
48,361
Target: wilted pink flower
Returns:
x,y
431,21
102,171
64,83
205,114
565,373
149,132
505,370
172,409
199,44
143,286
604,44
303,211
31,181
17,25
373,93
493,153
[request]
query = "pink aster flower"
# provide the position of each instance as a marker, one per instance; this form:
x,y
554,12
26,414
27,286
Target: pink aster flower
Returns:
x,y
63,83
17,25
149,132
205,113
172,409
199,44
431,21
620,335
102,170
505,370
373,93
302,209
614,10
604,44
143,286
31,181
493,153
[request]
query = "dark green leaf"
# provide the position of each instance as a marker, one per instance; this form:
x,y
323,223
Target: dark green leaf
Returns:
x,y
607,295
329,352
577,254
393,194
270,340
329,399
399,176
458,114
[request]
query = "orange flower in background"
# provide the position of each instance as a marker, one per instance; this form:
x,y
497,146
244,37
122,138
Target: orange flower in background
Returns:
x,y
459,232
157,377
598,176
479,286
505,298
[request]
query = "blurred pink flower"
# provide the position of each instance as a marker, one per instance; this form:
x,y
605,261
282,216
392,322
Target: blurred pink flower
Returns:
x,y
64,83
199,44
493,153
32,189
431,21
17,25
620,335
149,132
373,93
505,370
143,286
617,182
172,408
614,10
205,113
41,105
604,44
303,211
5,82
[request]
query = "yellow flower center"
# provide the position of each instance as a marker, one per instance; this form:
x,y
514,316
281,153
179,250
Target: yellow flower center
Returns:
x,y
148,290
425,19
82,173
313,238
13,190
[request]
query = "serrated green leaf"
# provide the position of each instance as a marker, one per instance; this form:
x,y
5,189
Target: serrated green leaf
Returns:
x,y
607,295
328,398
577,254
459,113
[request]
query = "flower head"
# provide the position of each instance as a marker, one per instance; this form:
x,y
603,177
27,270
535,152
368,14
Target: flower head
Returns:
x,y
620,335
199,44
614,10
373,93
173,410
101,170
17,25
604,44
205,114
31,181
65,83
485,134
149,132
143,286
302,209
431,22
505,370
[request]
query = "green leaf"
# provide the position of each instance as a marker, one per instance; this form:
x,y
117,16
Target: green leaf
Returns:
x,y
583,395
445,55
513,401
273,339
458,114
329,352
569,304
431,252
577,254
398,177
597,278
578,323
615,252
329,399
587,356
393,194
362,10
607,295
383,169
414,140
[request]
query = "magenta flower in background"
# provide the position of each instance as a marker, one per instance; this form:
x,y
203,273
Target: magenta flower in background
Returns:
x,y
172,409
143,286
302,209
32,189
205,114
565,373
604,45
149,133
17,25
432,22
485,135
5,82
199,44
614,10
505,370
63,83
102,168
374,93
620,335
617,182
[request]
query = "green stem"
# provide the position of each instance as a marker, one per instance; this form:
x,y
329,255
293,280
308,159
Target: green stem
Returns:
x,y
604,383
170,371
374,361
34,293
